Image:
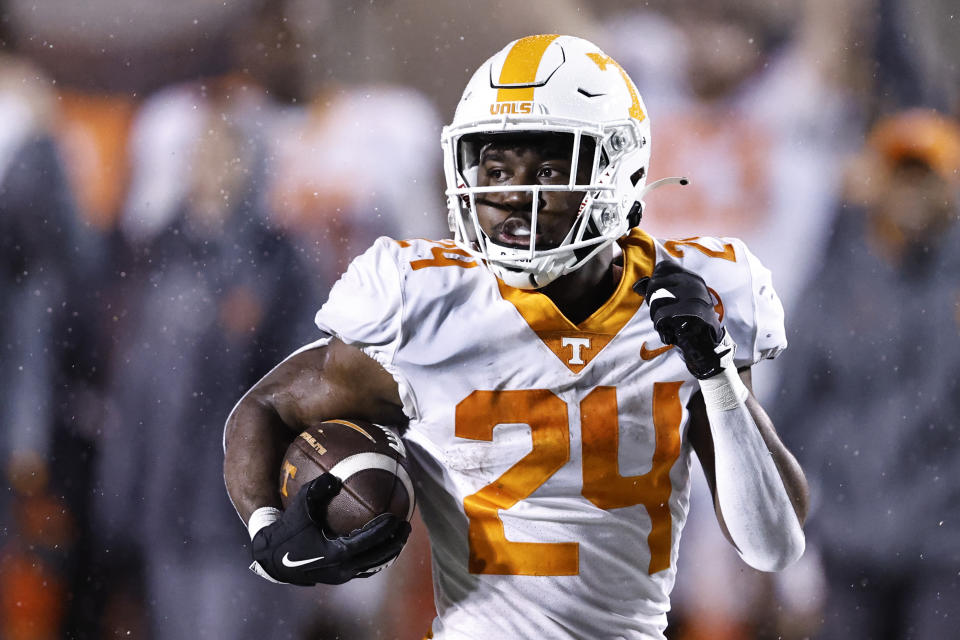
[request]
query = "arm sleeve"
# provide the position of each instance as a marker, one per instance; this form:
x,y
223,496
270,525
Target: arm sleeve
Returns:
x,y
750,489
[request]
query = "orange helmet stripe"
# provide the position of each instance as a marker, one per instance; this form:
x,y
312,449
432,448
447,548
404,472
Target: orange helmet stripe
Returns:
x,y
520,67
602,61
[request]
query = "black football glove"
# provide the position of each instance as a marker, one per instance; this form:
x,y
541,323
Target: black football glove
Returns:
x,y
682,312
295,550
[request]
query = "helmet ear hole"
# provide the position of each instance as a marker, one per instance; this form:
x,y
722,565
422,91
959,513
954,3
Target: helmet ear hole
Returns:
x,y
637,175
635,214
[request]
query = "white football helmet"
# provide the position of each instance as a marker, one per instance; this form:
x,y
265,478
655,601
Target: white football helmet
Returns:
x,y
559,84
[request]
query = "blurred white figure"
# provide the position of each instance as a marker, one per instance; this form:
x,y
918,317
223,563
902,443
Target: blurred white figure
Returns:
x,y
350,168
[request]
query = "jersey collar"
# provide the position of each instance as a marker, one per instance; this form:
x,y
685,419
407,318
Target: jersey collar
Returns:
x,y
576,345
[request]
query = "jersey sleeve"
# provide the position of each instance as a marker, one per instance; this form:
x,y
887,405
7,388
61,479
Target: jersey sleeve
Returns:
x,y
365,305
755,318
365,310
751,310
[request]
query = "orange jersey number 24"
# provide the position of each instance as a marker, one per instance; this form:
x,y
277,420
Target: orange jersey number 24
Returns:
x,y
546,414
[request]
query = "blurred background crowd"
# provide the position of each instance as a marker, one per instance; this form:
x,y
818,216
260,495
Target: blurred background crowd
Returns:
x,y
181,182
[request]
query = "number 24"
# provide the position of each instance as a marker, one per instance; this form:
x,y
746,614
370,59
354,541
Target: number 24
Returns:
x,y
546,414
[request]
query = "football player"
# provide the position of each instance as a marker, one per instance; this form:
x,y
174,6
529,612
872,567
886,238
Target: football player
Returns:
x,y
552,367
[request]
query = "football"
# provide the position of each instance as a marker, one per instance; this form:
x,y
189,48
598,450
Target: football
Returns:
x,y
369,459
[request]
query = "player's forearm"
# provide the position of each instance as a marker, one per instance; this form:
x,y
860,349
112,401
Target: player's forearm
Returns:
x,y
254,443
760,489
790,471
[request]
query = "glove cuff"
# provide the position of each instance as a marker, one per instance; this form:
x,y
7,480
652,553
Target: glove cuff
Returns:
x,y
725,390
261,518
260,571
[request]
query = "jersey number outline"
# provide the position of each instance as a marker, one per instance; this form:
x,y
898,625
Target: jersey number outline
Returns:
x,y
673,247
546,414
445,254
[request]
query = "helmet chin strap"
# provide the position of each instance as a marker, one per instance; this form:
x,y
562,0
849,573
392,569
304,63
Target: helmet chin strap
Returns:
x,y
636,211
545,270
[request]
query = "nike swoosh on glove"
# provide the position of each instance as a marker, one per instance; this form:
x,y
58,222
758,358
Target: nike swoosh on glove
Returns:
x,y
295,550
681,308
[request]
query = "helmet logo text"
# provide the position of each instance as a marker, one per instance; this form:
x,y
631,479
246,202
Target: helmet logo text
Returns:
x,y
498,108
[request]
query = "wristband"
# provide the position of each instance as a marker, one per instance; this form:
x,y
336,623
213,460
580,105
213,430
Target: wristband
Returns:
x,y
261,518
725,390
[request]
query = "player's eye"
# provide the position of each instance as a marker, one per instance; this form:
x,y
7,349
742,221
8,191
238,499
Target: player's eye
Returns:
x,y
495,173
550,173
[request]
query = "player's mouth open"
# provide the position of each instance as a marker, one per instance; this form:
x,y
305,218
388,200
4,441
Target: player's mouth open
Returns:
x,y
514,232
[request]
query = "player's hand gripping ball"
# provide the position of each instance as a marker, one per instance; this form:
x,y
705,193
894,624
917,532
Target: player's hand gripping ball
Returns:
x,y
347,500
369,459
681,308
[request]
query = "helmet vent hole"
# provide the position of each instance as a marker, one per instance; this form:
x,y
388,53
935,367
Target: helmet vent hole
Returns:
x,y
638,175
583,91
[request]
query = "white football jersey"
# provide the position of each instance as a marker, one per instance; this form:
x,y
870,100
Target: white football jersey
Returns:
x,y
551,459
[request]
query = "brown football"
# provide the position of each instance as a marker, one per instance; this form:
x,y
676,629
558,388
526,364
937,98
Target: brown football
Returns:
x,y
370,460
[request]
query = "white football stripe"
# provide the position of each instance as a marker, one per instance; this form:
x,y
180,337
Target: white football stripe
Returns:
x,y
371,460
660,293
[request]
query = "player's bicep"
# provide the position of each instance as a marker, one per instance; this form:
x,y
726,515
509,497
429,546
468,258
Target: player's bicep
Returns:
x,y
330,381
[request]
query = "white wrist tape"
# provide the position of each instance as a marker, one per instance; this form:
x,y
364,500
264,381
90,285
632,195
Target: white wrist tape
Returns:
x,y
261,518
725,391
